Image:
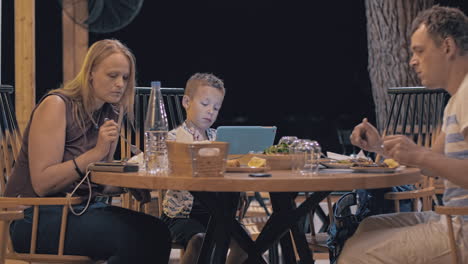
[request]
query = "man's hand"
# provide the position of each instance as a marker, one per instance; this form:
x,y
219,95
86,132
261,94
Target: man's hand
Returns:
x,y
403,150
366,137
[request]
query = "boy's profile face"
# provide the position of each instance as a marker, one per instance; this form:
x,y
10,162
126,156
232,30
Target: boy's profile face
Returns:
x,y
202,110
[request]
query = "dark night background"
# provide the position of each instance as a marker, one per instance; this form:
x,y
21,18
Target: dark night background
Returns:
x,y
300,67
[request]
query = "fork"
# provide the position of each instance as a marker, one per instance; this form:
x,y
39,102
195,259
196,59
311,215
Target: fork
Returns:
x,y
133,149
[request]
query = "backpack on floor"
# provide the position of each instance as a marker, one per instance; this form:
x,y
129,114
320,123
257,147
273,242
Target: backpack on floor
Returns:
x,y
367,202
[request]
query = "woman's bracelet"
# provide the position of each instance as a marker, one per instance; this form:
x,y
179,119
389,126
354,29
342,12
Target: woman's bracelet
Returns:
x,y
77,169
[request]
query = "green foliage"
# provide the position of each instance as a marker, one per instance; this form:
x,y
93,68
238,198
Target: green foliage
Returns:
x,y
282,148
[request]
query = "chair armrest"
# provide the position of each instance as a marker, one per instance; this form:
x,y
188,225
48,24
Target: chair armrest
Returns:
x,y
426,192
9,202
11,215
452,210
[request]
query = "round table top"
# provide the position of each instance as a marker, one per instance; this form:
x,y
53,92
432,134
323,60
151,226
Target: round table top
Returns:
x,y
280,181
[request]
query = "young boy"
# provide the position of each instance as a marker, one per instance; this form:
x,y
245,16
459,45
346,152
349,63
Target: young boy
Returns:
x,y
186,217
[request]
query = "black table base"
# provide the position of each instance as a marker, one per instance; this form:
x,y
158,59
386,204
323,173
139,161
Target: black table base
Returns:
x,y
285,219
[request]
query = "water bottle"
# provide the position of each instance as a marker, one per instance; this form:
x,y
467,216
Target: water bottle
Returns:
x,y
156,133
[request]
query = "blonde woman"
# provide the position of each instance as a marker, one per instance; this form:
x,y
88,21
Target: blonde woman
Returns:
x,y
70,128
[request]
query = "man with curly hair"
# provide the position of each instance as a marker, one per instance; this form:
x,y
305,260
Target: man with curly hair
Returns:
x,y
439,42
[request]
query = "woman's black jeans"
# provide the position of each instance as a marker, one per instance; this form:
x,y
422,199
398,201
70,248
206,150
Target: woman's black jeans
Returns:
x,y
103,232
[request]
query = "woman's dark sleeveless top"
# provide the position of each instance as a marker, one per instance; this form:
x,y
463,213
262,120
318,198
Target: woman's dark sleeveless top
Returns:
x,y
76,143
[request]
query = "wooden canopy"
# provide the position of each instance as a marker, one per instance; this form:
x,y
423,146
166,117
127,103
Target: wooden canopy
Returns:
x,y
75,46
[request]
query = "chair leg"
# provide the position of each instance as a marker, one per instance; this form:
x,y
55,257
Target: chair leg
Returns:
x,y
260,200
453,246
3,238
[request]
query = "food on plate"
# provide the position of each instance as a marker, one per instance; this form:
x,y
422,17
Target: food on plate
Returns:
x,y
233,163
387,163
347,163
391,163
256,162
282,148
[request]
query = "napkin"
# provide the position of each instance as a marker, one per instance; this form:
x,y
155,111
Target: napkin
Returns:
x,y
140,159
361,155
337,156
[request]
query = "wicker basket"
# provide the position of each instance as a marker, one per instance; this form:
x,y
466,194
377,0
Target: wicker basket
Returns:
x,y
197,159
277,161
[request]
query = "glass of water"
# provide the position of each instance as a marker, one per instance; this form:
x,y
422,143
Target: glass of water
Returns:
x,y
306,155
296,150
288,140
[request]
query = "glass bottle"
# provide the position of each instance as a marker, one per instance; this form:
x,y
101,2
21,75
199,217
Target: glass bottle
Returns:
x,y
156,129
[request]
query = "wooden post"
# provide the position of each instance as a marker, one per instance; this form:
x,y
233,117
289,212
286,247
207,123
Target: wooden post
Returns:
x,y
75,39
25,61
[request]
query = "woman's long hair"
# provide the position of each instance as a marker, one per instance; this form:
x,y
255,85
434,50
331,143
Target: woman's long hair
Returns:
x,y
80,90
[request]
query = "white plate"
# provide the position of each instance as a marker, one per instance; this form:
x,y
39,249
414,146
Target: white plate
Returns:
x,y
336,165
373,169
245,169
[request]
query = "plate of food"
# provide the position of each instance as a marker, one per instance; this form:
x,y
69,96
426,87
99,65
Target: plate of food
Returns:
x,y
245,169
255,164
337,165
345,164
387,166
375,169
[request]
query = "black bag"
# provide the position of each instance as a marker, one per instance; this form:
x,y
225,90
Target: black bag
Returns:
x,y
368,202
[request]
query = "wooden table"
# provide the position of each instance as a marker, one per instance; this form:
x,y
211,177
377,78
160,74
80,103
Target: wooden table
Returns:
x,y
221,194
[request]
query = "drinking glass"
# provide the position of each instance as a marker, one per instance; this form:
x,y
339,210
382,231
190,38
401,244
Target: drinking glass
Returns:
x,y
288,140
313,157
306,155
296,150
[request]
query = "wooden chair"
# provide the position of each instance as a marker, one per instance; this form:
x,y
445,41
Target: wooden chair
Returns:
x,y
416,112
5,218
9,149
133,134
318,240
449,211
345,143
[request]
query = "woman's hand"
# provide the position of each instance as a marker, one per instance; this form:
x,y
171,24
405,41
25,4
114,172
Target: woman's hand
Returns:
x,y
108,133
366,137
403,150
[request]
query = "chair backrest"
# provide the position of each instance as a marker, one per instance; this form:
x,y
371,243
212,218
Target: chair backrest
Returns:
x,y
10,135
416,112
173,103
343,138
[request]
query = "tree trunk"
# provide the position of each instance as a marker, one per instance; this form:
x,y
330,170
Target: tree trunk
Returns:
x,y
388,38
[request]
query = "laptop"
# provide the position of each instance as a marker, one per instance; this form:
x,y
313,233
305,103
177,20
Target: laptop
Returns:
x,y
245,139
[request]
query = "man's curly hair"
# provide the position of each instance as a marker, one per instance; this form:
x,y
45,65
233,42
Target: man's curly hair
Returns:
x,y
443,22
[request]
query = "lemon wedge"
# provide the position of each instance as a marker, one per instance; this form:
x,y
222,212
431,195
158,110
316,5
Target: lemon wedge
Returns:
x,y
256,162
391,163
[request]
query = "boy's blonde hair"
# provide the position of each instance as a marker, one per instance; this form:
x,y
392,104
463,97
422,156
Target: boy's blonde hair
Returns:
x,y
203,79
